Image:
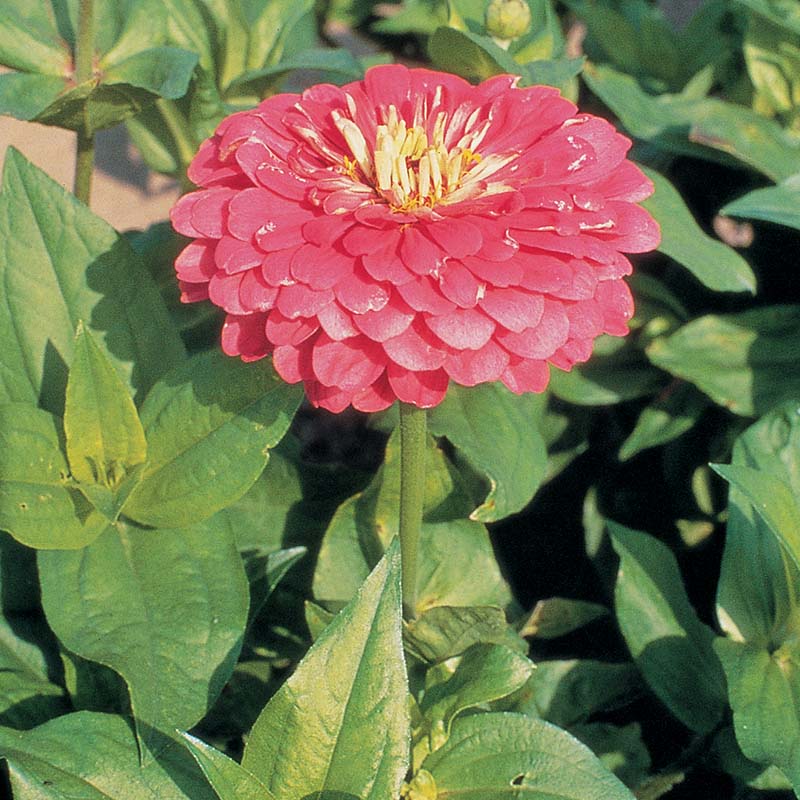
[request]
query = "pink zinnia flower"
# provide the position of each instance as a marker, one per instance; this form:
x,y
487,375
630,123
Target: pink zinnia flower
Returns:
x,y
385,237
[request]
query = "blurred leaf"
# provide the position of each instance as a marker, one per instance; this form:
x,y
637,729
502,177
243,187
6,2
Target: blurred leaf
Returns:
x,y
670,415
470,55
707,128
442,632
779,204
620,749
209,426
230,780
558,616
742,361
488,755
104,436
670,645
340,722
782,12
567,693
757,591
499,435
451,547
28,671
764,691
413,16
29,40
39,506
485,672
19,583
264,573
94,757
713,263
144,601
60,264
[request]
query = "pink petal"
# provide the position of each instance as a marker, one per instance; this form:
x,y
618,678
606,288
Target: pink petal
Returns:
x,y
195,264
458,238
419,253
422,389
359,293
280,330
505,273
614,297
512,308
321,267
337,322
361,239
280,179
330,398
223,290
459,285
416,348
206,168
462,328
350,364
255,293
390,321
543,340
244,336
210,212
636,231
276,267
471,367
293,364
181,215
575,351
423,294
376,397
300,300
233,255
522,375
580,246
386,265
250,210
559,276
193,292
585,319
324,230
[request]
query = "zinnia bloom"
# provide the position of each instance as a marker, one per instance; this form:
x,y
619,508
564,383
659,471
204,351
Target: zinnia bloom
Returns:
x,y
383,238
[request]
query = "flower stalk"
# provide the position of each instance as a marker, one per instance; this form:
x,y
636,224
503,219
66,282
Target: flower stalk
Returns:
x,y
84,69
413,445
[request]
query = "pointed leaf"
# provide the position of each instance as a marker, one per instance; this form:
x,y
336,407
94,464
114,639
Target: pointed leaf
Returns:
x,y
60,264
94,757
670,645
209,425
39,505
495,756
340,722
779,204
166,609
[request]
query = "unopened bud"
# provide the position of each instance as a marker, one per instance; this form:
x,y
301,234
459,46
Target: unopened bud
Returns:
x,y
507,19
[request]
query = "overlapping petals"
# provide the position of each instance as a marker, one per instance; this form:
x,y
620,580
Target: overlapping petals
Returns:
x,y
383,238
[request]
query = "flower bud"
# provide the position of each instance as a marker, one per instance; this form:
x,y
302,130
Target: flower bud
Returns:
x,y
507,19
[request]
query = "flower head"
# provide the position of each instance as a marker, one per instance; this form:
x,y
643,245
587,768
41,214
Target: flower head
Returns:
x,y
385,237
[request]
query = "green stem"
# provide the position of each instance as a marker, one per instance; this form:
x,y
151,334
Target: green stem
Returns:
x,y
84,69
413,445
181,133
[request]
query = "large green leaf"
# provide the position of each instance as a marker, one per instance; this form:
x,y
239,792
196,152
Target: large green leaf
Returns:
x,y
28,670
713,263
471,55
495,756
166,609
94,757
230,780
670,645
757,590
104,436
451,547
779,204
765,698
499,435
209,424
60,264
340,723
744,362
39,504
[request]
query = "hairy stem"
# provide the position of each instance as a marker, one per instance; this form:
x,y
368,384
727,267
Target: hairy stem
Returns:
x,y
84,69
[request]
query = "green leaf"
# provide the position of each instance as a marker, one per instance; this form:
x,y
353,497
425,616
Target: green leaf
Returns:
x,y
670,645
779,204
264,573
558,616
757,594
442,632
28,671
451,547
23,95
94,757
713,263
29,39
166,609
229,780
670,415
781,12
209,424
340,722
772,500
498,434
620,749
706,128
104,436
744,361
764,689
470,55
19,583
486,672
39,506
60,264
569,692
494,756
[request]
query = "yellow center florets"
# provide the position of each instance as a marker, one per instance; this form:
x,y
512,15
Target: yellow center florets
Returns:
x,y
406,167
